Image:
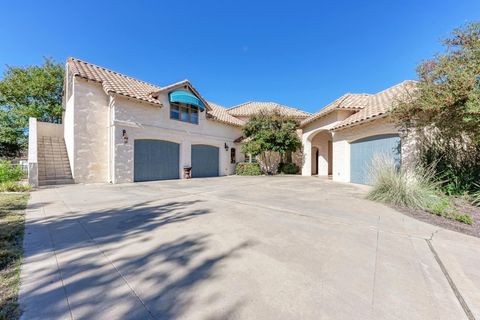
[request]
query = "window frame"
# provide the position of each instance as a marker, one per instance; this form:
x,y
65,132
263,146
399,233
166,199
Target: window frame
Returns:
x,y
181,109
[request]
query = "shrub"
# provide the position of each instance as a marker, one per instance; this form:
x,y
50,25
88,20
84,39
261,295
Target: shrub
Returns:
x,y
288,168
8,172
475,196
14,186
465,218
441,207
248,169
413,189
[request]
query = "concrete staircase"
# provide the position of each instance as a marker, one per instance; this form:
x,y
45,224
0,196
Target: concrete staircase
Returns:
x,y
53,165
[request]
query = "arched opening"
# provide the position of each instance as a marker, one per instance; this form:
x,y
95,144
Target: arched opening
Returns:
x,y
322,153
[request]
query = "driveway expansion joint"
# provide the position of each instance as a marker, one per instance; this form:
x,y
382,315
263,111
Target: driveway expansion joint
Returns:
x,y
450,281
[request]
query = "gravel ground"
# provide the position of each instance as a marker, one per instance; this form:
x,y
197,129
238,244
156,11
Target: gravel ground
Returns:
x,y
461,205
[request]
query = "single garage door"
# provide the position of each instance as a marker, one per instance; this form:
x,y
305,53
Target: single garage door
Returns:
x,y
156,160
204,161
363,151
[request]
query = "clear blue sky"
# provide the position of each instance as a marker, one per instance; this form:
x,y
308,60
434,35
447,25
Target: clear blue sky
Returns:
x,y
299,53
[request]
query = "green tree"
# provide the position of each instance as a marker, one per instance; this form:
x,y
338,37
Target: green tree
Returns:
x,y
269,134
33,91
445,110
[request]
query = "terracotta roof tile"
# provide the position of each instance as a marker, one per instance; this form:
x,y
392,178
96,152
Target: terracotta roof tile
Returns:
x,y
220,114
348,101
378,104
248,109
113,81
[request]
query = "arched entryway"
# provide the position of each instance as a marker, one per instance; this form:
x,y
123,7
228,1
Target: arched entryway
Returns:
x,y
322,153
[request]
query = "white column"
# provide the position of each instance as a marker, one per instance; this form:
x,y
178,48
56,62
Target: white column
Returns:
x,y
185,155
307,158
32,152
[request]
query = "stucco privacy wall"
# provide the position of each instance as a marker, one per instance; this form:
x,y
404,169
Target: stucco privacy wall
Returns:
x,y
46,129
87,142
343,138
147,121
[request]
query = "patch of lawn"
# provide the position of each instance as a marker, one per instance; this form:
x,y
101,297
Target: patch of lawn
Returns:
x,y
12,219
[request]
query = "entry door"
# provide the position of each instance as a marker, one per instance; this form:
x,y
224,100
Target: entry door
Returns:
x,y
156,160
363,151
204,161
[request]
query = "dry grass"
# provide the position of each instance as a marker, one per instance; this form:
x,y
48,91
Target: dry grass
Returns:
x,y
412,189
12,218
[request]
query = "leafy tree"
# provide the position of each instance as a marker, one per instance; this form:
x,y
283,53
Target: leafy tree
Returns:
x,y
33,91
445,110
269,134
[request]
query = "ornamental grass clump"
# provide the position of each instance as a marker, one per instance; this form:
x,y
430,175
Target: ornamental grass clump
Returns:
x,y
414,188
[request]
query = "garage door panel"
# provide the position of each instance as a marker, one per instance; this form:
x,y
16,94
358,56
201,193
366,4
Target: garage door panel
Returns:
x,y
362,153
156,160
205,161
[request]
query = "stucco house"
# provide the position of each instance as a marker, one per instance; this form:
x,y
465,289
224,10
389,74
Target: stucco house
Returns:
x,y
118,129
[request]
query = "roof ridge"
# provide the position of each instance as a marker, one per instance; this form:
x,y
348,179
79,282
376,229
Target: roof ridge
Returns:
x,y
396,85
239,105
112,71
292,108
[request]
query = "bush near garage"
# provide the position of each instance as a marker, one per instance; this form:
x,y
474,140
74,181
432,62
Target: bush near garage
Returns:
x,y
288,168
248,169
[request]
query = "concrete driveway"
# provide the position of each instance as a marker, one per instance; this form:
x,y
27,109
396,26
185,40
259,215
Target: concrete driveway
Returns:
x,y
239,248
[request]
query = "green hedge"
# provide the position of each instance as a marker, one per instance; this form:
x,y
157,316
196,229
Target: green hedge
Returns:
x,y
248,169
8,172
288,168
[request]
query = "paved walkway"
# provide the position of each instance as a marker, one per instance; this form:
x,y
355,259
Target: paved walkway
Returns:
x,y
239,248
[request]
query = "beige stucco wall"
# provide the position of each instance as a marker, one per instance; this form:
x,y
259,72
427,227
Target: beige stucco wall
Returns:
x,y
146,121
69,126
343,138
86,134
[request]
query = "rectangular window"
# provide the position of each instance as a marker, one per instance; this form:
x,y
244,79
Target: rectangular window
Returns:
x,y
194,116
174,112
184,112
233,156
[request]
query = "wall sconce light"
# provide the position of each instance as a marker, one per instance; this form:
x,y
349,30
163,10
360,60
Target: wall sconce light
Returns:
x,y
124,136
226,147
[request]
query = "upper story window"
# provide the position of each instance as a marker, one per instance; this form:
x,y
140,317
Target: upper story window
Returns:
x,y
184,112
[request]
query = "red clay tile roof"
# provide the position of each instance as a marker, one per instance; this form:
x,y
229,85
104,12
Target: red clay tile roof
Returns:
x,y
248,109
348,101
220,113
379,104
114,82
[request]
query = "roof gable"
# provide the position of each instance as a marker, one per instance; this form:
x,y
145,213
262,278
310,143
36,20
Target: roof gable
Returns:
x,y
185,85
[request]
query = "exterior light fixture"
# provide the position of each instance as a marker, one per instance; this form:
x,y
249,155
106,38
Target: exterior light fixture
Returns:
x,y
124,136
226,147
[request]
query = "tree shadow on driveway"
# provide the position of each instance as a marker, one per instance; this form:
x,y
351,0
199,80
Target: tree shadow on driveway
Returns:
x,y
100,280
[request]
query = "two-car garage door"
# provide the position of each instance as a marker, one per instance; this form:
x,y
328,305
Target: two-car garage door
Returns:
x,y
363,151
160,160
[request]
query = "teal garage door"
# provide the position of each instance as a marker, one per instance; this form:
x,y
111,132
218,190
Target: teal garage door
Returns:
x,y
204,161
156,160
363,151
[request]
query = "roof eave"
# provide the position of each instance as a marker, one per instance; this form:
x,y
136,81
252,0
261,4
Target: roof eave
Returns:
x,y
364,121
